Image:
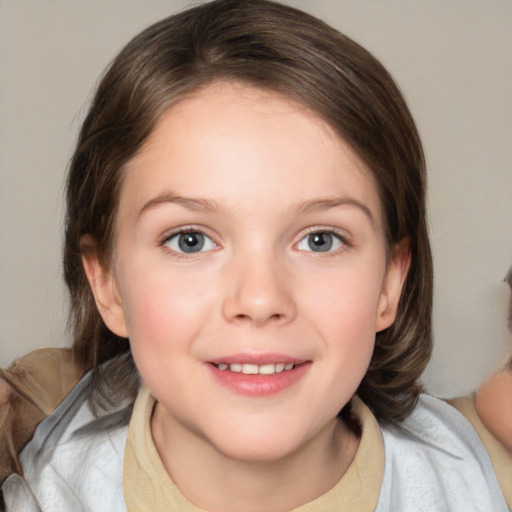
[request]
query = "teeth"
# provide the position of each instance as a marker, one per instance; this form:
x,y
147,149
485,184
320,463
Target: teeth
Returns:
x,y
250,369
254,369
267,369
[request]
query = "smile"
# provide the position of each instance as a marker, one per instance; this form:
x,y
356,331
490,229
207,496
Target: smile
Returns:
x,y
259,378
254,369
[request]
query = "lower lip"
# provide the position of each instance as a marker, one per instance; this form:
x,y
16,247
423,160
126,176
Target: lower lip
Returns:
x,y
259,385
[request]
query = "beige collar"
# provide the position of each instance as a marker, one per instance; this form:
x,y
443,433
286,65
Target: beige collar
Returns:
x,y
148,487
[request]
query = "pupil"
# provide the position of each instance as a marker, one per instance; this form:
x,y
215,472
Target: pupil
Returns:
x,y
320,242
191,242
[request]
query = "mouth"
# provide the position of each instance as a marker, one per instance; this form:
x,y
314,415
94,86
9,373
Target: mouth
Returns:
x,y
259,375
255,369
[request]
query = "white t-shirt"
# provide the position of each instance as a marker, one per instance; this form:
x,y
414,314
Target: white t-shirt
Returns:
x,y
435,462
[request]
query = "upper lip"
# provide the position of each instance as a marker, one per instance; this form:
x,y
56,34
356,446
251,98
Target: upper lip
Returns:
x,y
259,359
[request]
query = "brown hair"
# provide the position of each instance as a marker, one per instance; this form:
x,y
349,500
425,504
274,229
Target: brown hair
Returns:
x,y
282,49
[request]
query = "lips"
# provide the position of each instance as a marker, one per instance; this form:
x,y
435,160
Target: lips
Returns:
x,y
259,375
257,364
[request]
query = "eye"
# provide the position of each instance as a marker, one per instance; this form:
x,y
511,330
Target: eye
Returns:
x,y
189,242
321,241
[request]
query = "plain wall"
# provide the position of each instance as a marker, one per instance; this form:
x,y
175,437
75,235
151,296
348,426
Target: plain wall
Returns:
x,y
453,60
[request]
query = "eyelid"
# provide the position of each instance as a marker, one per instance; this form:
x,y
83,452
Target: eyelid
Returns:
x,y
183,230
341,236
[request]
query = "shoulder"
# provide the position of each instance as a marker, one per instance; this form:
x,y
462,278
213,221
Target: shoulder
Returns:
x,y
30,389
436,461
499,452
73,461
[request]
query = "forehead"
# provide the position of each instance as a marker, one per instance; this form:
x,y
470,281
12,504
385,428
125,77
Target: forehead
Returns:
x,y
256,141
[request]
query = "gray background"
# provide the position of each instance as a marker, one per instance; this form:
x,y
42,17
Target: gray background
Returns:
x,y
453,60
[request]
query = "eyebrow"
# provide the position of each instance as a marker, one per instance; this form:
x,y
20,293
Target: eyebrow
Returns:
x,y
191,203
326,204
207,205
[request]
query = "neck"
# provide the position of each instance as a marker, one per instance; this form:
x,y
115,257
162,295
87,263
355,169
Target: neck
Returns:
x,y
217,482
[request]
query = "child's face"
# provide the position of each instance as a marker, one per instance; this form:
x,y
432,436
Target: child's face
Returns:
x,y
283,261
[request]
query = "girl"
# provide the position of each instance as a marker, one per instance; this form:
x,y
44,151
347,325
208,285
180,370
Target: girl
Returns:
x,y
251,285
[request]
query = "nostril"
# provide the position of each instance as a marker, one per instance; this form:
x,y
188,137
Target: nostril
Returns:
x,y
242,317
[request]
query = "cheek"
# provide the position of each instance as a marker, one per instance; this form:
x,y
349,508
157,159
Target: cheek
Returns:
x,y
344,310
344,300
164,309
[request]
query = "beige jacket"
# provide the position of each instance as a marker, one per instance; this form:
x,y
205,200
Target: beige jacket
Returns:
x,y
29,391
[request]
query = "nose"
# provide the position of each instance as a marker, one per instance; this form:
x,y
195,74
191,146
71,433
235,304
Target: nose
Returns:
x,y
259,293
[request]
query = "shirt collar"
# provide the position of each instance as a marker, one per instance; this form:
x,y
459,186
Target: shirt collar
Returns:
x,y
147,485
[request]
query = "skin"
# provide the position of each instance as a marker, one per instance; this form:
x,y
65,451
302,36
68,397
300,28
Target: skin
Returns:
x,y
267,173
493,404
493,400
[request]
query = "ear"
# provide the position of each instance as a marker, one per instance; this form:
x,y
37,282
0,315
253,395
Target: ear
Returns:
x,y
394,280
103,286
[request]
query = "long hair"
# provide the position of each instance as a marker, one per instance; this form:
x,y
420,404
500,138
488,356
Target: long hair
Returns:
x,y
277,48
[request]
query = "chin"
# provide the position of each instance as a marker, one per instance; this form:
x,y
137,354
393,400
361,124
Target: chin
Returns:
x,y
258,445
252,453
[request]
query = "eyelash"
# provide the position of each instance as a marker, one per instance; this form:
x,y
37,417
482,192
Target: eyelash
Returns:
x,y
182,231
330,231
342,239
